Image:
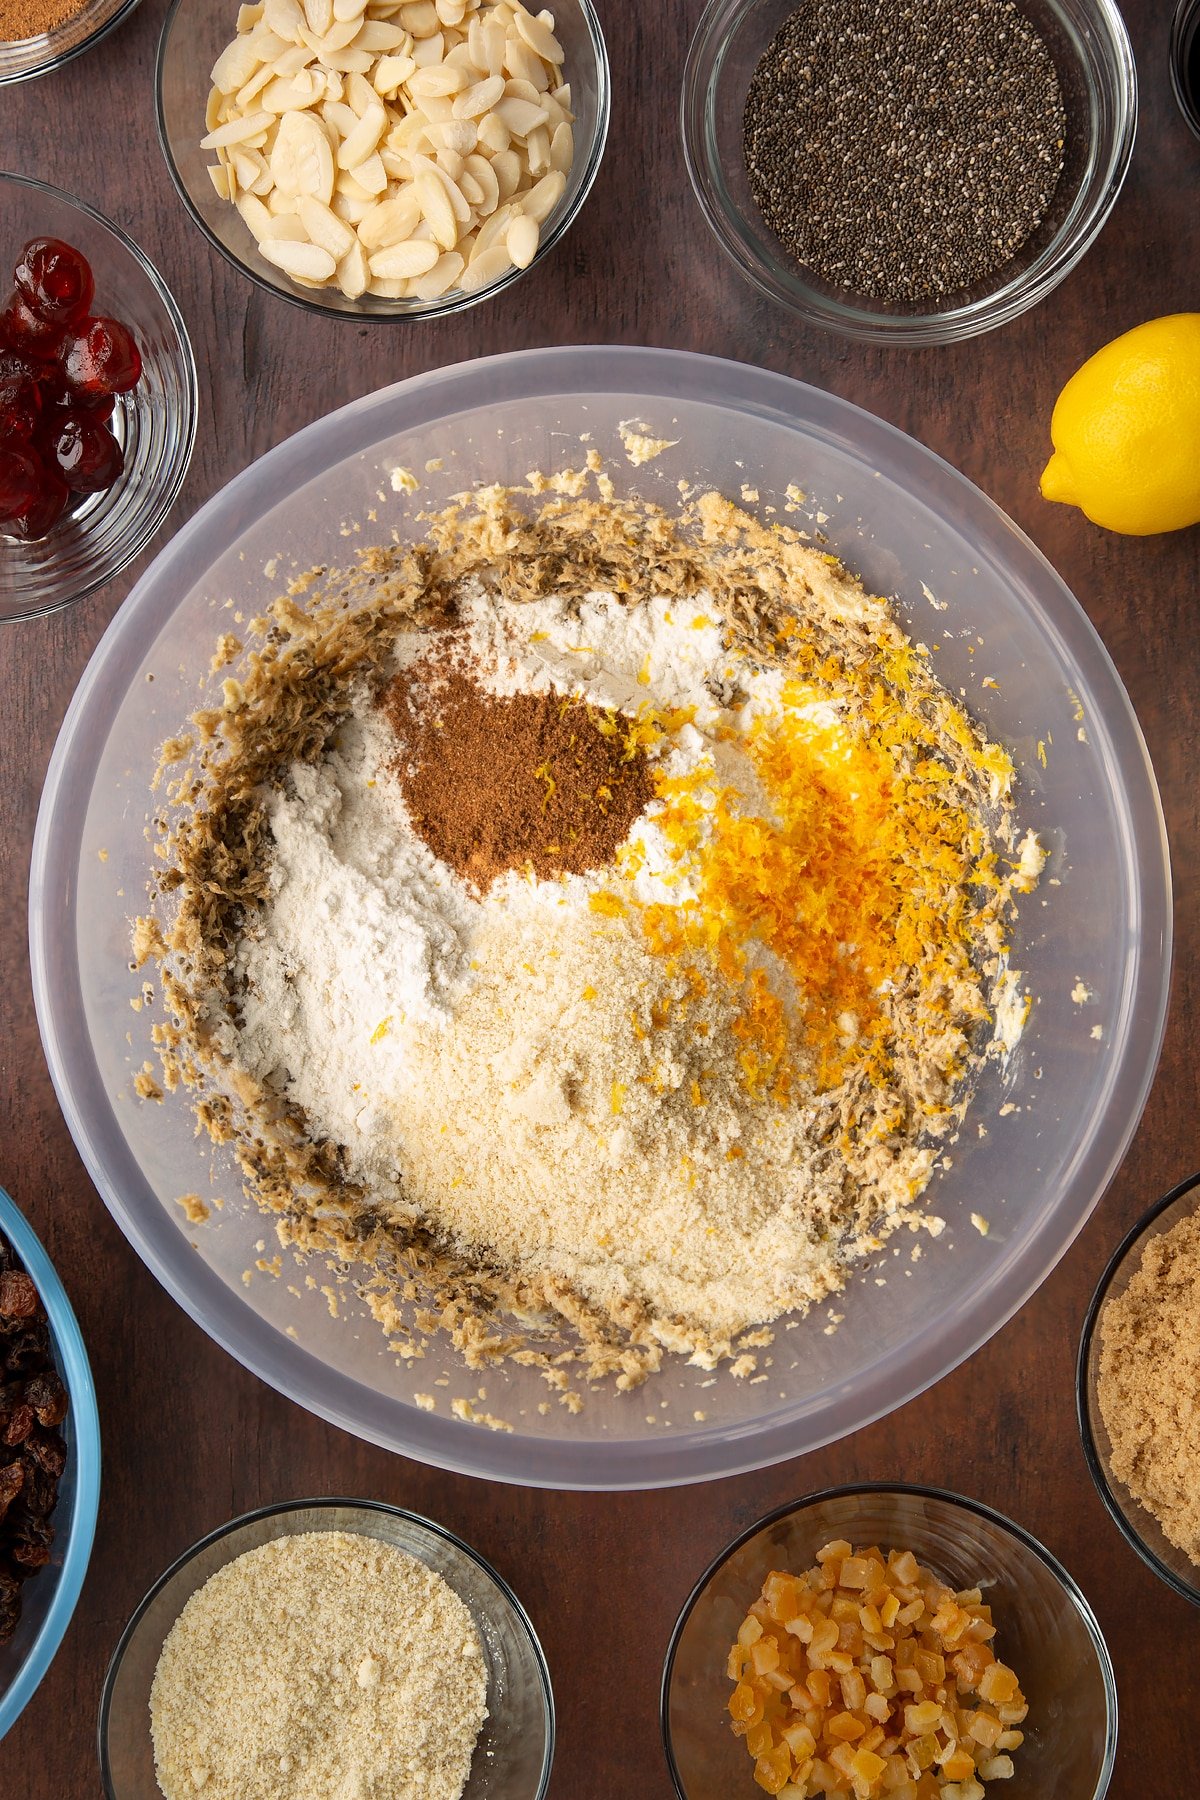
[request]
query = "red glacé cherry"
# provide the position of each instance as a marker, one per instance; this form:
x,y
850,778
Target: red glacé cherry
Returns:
x,y
18,422
84,451
60,370
26,330
21,478
101,358
46,510
54,280
20,383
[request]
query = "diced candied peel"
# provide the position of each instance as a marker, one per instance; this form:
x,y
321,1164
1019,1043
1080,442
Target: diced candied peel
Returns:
x,y
868,1677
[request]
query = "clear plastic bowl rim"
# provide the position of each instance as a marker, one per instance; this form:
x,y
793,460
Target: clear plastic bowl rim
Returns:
x,y
81,1391
203,1296
916,1491
319,1504
1091,1454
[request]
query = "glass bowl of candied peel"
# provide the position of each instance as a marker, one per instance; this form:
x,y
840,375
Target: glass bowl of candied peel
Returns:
x,y
47,1513
98,399
897,1641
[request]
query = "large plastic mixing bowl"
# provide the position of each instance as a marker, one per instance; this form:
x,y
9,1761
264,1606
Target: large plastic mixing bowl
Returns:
x,y
1093,940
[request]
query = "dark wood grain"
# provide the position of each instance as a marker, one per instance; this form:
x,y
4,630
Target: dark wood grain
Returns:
x,y
190,1438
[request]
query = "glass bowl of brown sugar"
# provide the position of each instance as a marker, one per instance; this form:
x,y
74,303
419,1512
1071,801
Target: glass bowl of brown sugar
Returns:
x,y
1138,1376
861,169
39,35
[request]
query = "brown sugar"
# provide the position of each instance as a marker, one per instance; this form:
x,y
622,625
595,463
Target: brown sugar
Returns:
x,y
1149,1383
500,782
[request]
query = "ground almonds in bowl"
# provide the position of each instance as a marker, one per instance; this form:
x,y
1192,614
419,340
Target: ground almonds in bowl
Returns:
x,y
587,923
319,1666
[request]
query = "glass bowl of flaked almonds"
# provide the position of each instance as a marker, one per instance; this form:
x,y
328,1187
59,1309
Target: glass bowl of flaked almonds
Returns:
x,y
1136,1386
875,1641
323,1642
380,160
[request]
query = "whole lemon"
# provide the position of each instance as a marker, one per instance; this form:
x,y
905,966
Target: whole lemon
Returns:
x,y
1126,431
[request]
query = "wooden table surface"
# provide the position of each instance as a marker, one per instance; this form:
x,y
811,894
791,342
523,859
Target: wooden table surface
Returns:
x,y
190,1438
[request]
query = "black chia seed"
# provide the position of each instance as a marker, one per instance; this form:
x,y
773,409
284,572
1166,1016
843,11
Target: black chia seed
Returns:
x,y
904,150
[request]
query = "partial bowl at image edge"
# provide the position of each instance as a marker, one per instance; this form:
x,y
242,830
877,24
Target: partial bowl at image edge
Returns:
x,y
84,1442
1125,1512
25,59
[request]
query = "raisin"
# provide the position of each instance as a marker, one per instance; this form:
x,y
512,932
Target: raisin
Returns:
x,y
40,1490
31,1544
18,1296
27,1349
47,1396
20,1424
12,1480
10,1605
47,1450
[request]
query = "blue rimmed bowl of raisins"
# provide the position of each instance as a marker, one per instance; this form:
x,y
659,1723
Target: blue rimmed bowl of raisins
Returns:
x,y
49,1462
97,399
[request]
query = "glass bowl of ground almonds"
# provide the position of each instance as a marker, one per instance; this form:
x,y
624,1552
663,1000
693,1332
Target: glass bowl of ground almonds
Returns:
x,y
328,1647
600,917
913,176
1138,1383
876,1641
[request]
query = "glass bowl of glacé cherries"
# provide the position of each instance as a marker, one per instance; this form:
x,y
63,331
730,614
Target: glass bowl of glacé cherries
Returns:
x,y
97,399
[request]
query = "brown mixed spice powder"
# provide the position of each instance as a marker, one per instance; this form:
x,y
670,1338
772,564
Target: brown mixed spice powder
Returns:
x,y
522,781
1149,1383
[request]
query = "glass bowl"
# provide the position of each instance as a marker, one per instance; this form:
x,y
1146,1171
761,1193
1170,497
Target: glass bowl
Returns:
x,y
1138,1526
516,1745
1185,61
193,35
48,1598
156,423
1094,60
1046,1631
966,581
21,59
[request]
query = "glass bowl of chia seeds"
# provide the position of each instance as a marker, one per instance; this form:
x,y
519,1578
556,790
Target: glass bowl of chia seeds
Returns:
x,y
910,180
